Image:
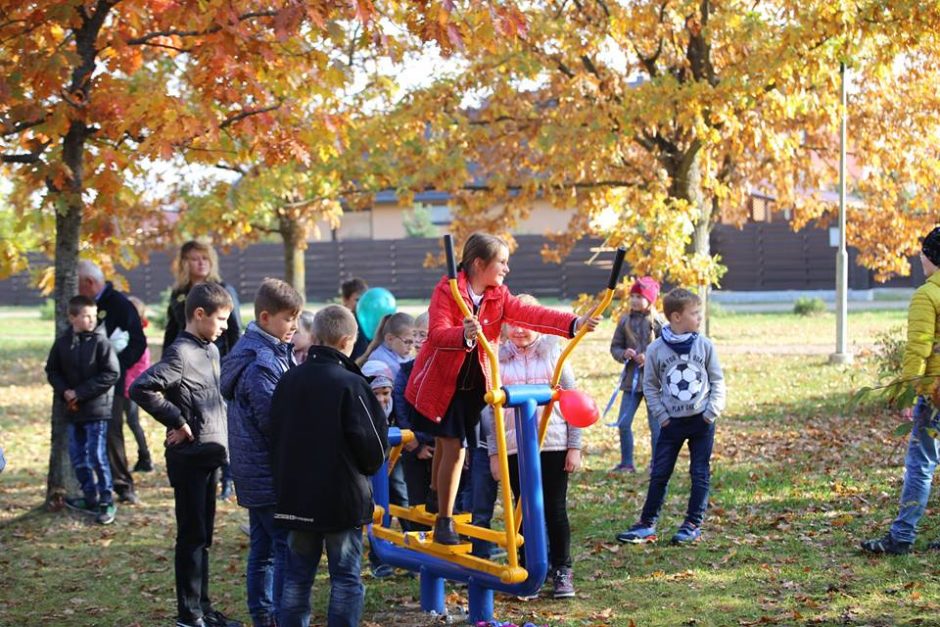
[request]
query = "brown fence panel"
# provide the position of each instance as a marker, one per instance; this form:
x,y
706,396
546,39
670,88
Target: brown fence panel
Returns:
x,y
759,257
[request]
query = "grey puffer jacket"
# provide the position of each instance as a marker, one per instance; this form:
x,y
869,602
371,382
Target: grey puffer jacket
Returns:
x,y
183,388
533,364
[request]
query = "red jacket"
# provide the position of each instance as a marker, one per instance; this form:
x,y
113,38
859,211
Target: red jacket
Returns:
x,y
433,380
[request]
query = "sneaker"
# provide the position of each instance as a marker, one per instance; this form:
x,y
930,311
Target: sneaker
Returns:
x,y
430,502
191,622
383,571
215,618
886,544
128,496
228,490
686,533
640,533
80,504
531,597
934,546
444,531
143,465
106,512
563,583
623,468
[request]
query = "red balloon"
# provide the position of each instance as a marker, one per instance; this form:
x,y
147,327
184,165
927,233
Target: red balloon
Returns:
x,y
578,408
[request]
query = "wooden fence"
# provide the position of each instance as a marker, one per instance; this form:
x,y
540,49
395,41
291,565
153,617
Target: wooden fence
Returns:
x,y
759,257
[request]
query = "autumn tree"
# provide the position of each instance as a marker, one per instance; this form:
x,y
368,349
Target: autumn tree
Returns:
x,y
93,93
651,118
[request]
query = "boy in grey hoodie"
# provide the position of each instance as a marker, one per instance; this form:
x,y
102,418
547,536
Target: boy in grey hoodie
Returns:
x,y
685,393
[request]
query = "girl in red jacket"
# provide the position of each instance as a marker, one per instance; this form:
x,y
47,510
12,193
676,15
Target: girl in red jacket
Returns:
x,y
451,373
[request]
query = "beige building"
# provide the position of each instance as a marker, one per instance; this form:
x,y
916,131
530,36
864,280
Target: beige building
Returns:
x,y
385,220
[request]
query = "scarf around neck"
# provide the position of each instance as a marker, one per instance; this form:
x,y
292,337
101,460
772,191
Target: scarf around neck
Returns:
x,y
680,343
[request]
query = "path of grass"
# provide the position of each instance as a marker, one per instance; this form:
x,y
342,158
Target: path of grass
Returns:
x,y
796,485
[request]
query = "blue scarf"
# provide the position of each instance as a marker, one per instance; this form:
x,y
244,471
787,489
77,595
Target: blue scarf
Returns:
x,y
681,344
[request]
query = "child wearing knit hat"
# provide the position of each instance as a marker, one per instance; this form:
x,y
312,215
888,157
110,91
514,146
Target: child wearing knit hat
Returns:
x,y
635,331
920,366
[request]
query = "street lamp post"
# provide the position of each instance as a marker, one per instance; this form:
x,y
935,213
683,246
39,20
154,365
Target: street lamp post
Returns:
x,y
842,354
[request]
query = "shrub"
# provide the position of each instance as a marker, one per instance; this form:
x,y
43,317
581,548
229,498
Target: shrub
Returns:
x,y
157,314
47,310
889,351
806,306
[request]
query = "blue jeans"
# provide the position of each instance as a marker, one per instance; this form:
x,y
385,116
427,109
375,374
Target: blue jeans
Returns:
x,y
628,407
920,463
344,560
484,499
700,434
88,450
267,552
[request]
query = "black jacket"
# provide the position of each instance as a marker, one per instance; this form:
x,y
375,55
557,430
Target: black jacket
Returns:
x,y
118,311
183,387
329,435
87,364
176,320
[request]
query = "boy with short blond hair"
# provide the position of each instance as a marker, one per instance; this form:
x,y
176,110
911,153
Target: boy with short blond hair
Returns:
x,y
329,435
685,392
181,391
82,369
250,373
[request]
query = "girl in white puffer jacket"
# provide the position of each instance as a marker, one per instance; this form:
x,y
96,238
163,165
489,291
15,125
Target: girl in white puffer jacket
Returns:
x,y
529,357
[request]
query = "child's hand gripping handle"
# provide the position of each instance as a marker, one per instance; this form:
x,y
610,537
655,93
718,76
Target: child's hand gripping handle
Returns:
x,y
449,251
615,270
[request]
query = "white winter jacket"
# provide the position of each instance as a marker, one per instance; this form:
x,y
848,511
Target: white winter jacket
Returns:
x,y
533,364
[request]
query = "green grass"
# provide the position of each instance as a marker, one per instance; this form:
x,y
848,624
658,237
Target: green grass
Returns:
x,y
796,485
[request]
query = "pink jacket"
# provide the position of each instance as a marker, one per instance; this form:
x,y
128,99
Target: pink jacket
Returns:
x,y
135,371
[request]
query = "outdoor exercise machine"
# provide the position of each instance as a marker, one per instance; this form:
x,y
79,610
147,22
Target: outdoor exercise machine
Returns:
x,y
524,524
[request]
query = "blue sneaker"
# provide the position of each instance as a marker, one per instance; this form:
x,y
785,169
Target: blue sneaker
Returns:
x,y
686,533
640,533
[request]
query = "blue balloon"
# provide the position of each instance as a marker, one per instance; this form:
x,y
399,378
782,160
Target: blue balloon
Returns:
x,y
373,305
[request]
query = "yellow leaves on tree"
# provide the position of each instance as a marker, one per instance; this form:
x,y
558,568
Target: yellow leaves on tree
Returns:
x,y
659,116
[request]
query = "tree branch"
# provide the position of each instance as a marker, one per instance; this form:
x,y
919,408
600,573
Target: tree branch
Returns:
x,y
246,113
19,127
31,157
145,39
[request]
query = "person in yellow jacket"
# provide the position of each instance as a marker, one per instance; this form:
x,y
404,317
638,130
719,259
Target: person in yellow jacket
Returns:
x,y
921,366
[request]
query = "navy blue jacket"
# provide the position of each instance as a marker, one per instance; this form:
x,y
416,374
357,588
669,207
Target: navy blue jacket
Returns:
x,y
250,373
403,411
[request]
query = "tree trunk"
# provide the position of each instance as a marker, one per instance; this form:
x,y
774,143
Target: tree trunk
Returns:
x,y
67,197
686,173
295,244
61,479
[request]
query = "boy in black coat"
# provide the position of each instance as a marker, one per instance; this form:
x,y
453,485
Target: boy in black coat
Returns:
x,y
83,368
182,392
329,435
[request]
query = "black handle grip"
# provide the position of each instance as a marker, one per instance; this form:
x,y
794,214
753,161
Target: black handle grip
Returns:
x,y
449,251
618,265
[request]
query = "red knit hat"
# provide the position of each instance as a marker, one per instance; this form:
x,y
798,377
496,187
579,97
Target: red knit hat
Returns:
x,y
647,287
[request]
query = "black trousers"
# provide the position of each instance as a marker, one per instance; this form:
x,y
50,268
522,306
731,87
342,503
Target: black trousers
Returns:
x,y
194,486
555,495
117,457
133,421
417,480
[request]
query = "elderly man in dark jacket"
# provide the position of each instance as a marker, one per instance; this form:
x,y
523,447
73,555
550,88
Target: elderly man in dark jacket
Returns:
x,y
329,435
123,327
